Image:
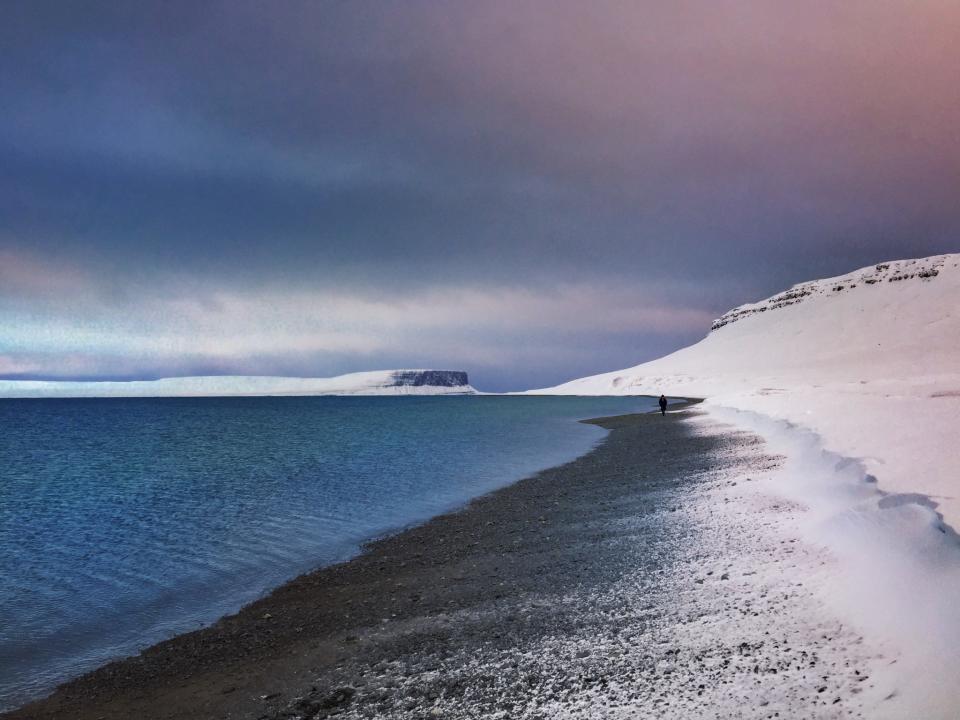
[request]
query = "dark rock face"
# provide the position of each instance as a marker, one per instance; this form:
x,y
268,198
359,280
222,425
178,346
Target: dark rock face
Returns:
x,y
436,378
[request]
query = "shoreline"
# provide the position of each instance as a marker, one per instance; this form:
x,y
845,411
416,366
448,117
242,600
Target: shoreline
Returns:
x,y
246,632
164,558
568,593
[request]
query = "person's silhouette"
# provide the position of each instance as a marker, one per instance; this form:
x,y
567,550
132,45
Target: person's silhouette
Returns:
x,y
663,404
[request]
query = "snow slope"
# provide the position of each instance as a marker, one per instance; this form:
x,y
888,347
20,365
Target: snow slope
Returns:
x,y
380,382
855,381
869,361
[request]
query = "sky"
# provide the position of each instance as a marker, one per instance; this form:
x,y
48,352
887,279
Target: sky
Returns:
x,y
528,191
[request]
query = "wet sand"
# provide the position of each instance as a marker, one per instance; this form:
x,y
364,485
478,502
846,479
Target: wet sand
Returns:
x,y
457,617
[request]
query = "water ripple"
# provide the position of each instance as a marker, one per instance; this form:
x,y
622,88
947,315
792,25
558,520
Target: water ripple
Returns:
x,y
126,521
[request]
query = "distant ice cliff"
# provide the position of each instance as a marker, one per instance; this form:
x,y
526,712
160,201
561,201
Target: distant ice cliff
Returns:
x,y
430,378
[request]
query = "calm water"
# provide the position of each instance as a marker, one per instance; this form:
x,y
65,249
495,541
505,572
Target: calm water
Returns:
x,y
125,521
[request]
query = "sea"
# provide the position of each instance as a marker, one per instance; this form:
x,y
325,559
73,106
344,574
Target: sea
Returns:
x,y
127,521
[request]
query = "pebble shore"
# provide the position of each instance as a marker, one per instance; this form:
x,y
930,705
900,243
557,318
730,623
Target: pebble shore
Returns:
x,y
622,584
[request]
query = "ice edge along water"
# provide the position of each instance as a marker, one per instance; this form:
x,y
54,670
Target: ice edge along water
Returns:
x,y
855,380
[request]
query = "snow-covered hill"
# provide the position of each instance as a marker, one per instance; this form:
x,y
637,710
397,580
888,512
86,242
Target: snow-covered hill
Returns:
x,y
870,361
380,382
855,381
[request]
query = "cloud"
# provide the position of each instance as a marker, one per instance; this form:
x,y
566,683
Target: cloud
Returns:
x,y
570,186
67,327
22,274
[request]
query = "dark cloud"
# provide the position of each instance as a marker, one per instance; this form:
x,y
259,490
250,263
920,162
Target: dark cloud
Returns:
x,y
704,153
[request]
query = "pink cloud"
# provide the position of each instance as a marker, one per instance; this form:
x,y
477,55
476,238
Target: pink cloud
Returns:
x,y
23,273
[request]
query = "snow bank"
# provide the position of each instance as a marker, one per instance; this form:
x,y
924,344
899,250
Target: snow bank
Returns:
x,y
381,382
898,575
856,380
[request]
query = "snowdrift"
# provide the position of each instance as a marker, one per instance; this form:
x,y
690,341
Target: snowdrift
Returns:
x,y
380,382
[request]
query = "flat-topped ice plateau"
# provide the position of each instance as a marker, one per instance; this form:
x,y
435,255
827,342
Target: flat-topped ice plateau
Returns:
x,y
378,382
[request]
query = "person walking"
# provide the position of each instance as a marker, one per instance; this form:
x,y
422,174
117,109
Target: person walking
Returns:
x,y
663,404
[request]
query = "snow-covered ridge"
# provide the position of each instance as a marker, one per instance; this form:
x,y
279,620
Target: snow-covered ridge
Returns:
x,y
923,269
380,382
893,323
873,369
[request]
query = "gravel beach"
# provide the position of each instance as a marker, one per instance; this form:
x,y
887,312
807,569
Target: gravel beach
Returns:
x,y
606,587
